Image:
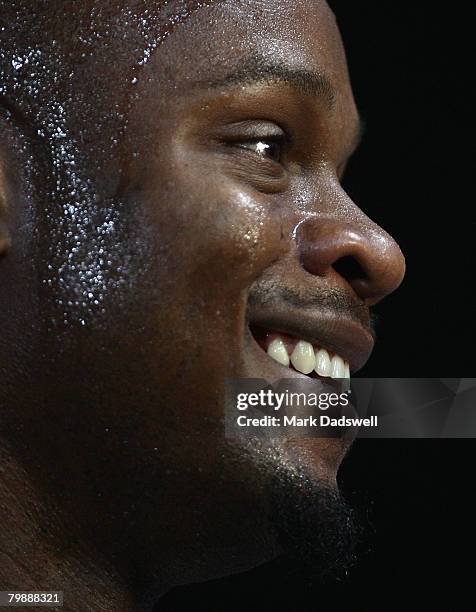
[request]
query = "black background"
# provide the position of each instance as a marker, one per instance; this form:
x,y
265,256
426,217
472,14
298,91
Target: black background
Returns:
x,y
416,496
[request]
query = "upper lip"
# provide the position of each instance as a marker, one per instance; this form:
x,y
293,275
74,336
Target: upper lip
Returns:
x,y
329,329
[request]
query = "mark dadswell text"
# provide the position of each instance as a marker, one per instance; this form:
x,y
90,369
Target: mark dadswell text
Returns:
x,y
311,421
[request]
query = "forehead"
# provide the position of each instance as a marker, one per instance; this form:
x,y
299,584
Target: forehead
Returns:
x,y
115,40
298,33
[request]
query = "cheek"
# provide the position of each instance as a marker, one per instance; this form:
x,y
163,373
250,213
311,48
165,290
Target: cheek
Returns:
x,y
245,236
225,235
239,235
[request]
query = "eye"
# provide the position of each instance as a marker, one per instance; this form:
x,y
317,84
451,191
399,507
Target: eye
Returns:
x,y
265,148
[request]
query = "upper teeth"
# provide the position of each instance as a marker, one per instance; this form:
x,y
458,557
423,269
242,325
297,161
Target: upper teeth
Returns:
x,y
278,351
305,358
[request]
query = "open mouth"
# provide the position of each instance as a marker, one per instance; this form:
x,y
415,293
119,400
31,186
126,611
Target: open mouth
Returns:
x,y
301,355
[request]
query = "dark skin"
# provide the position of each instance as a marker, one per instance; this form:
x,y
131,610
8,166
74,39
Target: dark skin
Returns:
x,y
220,198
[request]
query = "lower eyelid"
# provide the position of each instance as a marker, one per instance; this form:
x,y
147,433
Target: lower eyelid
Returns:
x,y
257,157
262,182
265,171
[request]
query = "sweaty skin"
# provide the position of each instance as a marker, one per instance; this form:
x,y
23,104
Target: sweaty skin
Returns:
x,y
169,176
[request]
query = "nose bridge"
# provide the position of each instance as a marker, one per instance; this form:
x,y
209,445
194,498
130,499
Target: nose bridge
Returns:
x,y
352,249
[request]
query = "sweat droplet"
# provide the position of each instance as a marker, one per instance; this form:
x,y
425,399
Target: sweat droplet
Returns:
x,y
47,59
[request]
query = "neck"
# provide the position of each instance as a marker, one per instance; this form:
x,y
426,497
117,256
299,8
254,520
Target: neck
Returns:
x,y
38,552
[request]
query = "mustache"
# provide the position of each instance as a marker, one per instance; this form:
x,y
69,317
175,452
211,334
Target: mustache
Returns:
x,y
267,293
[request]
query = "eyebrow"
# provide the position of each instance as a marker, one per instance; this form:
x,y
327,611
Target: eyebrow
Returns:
x,y
307,82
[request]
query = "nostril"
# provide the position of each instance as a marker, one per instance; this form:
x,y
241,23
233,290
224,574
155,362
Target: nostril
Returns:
x,y
361,255
349,268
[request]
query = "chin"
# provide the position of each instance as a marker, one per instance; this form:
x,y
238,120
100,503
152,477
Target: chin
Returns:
x,y
307,519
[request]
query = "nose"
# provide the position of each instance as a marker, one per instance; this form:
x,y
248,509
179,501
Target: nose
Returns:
x,y
360,254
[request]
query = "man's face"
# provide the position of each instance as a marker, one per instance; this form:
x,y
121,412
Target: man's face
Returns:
x,y
164,260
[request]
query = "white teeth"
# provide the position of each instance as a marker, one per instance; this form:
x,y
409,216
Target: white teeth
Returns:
x,y
337,367
278,352
323,363
303,357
